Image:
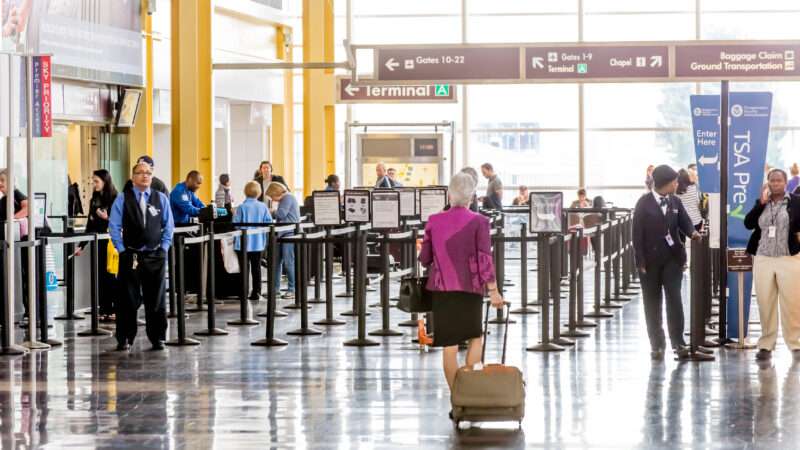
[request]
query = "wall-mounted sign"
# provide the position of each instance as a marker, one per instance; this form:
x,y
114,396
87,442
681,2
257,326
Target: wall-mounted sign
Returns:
x,y
578,62
456,63
347,92
736,60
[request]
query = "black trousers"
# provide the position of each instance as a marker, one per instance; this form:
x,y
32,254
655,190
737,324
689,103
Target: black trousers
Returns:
x,y
144,284
254,261
666,278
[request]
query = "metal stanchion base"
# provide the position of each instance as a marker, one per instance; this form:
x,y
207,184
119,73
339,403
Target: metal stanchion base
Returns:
x,y
408,323
586,324
610,305
354,314
563,342
621,299
599,315
53,342
316,301
394,299
13,350
329,322
36,345
346,294
499,321
697,356
182,342
295,307
269,343
361,343
628,292
375,305
525,310
575,333
72,317
99,332
245,322
744,345
277,314
371,289
546,348
211,332
308,331
385,332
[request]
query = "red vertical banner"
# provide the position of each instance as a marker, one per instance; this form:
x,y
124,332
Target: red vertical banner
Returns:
x,y
42,125
47,110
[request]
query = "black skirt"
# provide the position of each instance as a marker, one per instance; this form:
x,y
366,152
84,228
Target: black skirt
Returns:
x,y
456,317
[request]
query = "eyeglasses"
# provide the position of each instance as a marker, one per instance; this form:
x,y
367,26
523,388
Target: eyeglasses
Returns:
x,y
145,174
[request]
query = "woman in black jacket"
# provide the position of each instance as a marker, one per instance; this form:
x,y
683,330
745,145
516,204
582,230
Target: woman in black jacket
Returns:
x,y
99,210
775,221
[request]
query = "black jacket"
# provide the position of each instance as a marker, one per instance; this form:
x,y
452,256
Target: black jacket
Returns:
x,y
276,178
650,227
751,223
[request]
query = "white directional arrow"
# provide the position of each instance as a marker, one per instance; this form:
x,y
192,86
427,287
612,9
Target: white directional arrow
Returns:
x,y
706,160
656,61
351,90
538,62
391,64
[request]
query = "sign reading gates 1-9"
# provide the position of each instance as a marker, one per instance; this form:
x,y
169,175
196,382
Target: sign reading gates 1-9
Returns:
x,y
546,212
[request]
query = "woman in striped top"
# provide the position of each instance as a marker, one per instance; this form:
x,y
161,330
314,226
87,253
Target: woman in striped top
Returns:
x,y
690,197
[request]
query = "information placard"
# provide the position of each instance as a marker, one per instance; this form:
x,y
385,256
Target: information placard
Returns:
x,y
39,209
546,212
431,201
408,202
356,206
385,209
326,208
739,260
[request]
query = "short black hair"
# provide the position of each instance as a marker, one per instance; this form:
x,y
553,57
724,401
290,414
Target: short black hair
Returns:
x,y
193,175
224,178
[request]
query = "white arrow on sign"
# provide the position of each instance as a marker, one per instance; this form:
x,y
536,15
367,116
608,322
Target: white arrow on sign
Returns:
x,y
391,64
706,160
538,62
656,61
351,90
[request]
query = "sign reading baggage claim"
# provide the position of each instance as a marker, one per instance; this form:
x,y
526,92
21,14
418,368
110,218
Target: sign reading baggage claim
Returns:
x,y
602,62
346,92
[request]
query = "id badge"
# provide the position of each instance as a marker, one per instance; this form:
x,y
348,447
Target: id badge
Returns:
x,y
152,210
669,240
771,231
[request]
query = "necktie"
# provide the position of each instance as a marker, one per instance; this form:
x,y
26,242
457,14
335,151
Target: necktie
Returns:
x,y
143,207
663,202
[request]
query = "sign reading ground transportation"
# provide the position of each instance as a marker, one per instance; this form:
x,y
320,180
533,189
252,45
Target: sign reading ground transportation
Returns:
x,y
732,60
429,93
356,206
385,209
457,63
739,260
326,208
598,62
577,62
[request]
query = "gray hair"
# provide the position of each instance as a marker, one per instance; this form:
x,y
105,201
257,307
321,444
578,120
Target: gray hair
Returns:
x,y
471,172
461,188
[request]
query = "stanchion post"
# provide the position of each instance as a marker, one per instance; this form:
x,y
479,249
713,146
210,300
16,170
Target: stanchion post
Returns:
x,y
272,294
301,288
347,256
616,238
575,258
319,246
360,294
37,297
181,340
386,329
171,268
557,251
544,276
69,283
244,270
500,274
523,269
94,290
412,259
328,250
581,267
211,290
598,312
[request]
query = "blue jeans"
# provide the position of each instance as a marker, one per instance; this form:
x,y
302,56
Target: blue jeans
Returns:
x,y
285,260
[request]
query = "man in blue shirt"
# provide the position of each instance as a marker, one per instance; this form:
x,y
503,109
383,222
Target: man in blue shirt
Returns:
x,y
183,198
141,228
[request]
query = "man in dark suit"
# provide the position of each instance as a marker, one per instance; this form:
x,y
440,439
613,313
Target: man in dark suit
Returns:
x,y
660,224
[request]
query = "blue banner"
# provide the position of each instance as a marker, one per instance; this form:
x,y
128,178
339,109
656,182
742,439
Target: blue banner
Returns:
x,y
705,134
748,137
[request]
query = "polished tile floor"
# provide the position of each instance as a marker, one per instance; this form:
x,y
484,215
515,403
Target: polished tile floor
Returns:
x,y
317,393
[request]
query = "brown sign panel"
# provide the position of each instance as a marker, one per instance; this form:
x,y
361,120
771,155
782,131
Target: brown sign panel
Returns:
x,y
448,64
722,61
739,260
576,62
428,93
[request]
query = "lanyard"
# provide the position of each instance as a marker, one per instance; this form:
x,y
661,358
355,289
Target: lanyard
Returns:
x,y
774,215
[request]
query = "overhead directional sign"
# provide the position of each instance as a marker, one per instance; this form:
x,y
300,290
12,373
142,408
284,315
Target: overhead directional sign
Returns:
x,y
458,63
602,62
733,60
578,62
347,92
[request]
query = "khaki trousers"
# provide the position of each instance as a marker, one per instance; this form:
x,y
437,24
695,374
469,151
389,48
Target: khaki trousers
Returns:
x,y
777,281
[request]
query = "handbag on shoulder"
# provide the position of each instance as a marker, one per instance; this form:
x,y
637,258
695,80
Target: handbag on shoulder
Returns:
x,y
414,297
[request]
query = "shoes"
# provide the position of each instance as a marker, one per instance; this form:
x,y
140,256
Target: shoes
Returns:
x,y
682,352
254,296
763,354
157,347
657,355
288,295
422,335
705,351
123,347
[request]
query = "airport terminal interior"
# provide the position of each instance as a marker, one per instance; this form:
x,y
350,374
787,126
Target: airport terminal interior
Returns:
x,y
325,224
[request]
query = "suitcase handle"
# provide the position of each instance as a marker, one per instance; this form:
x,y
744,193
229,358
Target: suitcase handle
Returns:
x,y
486,331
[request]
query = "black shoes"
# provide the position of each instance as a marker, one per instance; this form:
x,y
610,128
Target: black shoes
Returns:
x,y
157,347
682,352
763,355
657,355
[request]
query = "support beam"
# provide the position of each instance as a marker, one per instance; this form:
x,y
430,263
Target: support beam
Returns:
x,y
141,138
192,92
319,151
282,146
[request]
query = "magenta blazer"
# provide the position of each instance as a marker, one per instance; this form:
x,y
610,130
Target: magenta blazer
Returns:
x,y
458,252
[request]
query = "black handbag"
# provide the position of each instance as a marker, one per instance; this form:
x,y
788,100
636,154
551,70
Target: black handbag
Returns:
x,y
414,297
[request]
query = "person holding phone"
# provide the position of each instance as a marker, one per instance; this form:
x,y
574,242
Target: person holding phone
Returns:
x,y
103,197
775,246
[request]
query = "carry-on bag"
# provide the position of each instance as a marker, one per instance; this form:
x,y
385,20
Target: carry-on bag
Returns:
x,y
491,393
414,297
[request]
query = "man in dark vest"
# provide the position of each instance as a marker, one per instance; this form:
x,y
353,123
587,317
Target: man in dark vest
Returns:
x,y
141,229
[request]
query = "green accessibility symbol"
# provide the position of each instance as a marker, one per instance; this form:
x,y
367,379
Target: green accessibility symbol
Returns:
x,y
583,68
738,213
442,90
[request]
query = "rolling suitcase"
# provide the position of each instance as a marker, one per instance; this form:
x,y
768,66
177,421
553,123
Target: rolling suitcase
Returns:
x,y
493,393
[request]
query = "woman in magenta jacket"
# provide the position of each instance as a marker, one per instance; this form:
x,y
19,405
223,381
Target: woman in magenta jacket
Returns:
x,y
457,252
